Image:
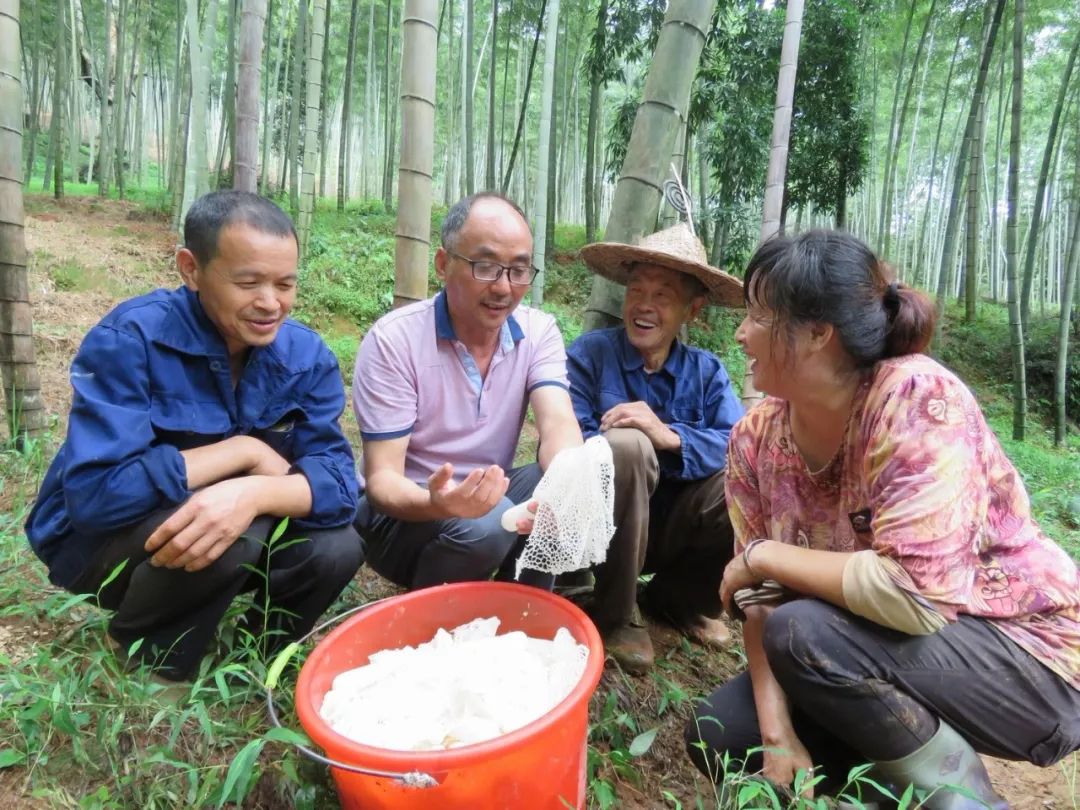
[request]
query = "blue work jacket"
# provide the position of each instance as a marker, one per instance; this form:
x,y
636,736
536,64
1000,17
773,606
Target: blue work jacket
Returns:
x,y
153,379
691,393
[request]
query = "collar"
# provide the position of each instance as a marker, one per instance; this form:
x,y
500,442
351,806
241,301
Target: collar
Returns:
x,y
186,328
633,361
510,334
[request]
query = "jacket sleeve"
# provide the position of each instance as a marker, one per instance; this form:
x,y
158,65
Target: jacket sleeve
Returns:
x,y
116,472
705,445
322,453
584,387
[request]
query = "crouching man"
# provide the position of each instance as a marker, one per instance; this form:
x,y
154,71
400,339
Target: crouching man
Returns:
x,y
666,409
200,417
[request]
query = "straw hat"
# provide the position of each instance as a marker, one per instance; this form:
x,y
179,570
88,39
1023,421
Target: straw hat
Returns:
x,y
675,248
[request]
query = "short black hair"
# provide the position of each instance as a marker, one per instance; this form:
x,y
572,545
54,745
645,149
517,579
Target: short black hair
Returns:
x,y
459,213
212,212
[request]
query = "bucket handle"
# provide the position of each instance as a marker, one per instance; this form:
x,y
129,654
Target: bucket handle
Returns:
x,y
413,779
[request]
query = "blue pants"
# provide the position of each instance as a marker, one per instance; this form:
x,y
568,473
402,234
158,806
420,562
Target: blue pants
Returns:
x,y
418,555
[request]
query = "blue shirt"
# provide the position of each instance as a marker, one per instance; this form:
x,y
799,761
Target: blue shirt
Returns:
x,y
691,393
152,379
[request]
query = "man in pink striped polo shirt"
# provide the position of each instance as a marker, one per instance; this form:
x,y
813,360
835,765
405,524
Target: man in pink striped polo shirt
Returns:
x,y
440,392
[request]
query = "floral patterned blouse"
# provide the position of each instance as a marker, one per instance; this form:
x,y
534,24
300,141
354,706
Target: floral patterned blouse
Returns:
x,y
920,478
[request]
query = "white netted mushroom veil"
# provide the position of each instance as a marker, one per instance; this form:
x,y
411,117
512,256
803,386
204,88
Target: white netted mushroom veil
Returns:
x,y
576,501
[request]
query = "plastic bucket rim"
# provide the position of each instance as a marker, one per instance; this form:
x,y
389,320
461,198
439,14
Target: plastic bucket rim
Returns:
x,y
448,759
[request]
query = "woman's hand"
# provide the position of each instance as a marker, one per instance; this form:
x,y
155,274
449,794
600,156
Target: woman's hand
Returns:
x,y
784,758
739,575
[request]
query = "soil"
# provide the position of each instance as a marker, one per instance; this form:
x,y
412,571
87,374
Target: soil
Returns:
x,y
87,255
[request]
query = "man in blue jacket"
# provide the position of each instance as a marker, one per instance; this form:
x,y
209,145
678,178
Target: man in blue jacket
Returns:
x,y
666,409
200,417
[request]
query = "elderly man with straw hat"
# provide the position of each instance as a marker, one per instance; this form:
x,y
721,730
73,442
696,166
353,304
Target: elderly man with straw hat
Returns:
x,y
666,409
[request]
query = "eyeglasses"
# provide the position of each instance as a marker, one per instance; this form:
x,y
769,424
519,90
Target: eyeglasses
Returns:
x,y
485,270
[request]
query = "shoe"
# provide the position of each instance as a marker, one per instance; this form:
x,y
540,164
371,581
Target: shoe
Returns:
x,y
944,762
631,648
707,632
168,693
703,630
575,584
159,688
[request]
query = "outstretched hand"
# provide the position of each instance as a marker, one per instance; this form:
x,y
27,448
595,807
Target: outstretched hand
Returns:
x,y
474,497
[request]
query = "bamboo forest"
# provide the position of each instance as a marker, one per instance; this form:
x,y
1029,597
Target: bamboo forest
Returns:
x,y
943,135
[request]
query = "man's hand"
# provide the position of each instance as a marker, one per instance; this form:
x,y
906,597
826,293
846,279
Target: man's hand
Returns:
x,y
474,497
203,528
639,415
525,525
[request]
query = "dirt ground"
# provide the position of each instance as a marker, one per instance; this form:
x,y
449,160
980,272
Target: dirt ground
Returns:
x,y
87,255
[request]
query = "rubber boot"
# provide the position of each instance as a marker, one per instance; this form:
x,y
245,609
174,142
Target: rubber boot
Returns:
x,y
945,761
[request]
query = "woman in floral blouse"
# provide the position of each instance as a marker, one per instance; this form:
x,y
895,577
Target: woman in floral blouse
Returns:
x,y
901,606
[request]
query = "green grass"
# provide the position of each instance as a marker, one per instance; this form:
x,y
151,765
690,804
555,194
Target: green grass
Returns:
x,y
84,732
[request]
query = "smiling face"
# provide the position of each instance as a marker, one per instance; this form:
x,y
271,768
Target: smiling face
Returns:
x,y
764,348
495,231
248,288
657,304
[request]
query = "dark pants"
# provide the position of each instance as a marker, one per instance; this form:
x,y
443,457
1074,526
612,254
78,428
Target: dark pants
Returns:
x,y
677,530
418,555
176,612
861,692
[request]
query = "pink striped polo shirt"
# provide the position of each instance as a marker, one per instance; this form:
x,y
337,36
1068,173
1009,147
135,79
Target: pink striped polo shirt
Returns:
x,y
414,377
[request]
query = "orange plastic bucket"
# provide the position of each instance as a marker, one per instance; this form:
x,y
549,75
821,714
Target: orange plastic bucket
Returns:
x,y
539,766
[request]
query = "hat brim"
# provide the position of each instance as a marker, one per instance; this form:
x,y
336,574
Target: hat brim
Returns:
x,y
614,261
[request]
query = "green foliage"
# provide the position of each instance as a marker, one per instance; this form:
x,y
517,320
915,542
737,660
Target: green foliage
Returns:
x,y
349,270
69,705
830,128
979,345
630,31
732,101
620,128
66,275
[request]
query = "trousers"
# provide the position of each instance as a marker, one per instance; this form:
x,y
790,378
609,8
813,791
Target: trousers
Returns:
x,y
678,531
176,612
860,692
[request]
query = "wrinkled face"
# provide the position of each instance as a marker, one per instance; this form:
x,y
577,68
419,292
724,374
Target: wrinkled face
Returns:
x,y
496,232
656,306
248,289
